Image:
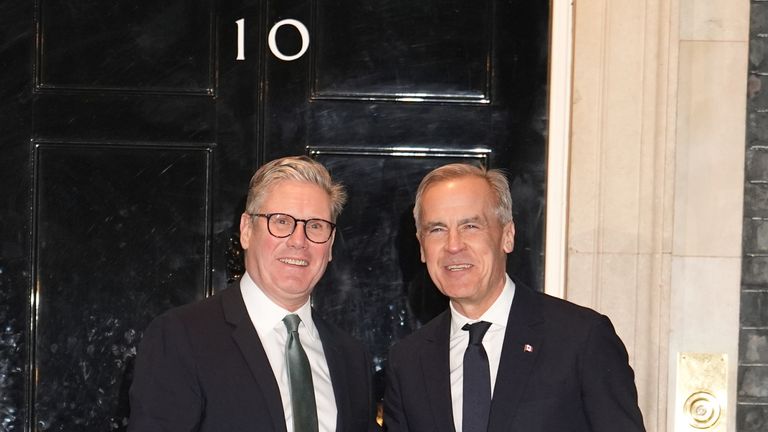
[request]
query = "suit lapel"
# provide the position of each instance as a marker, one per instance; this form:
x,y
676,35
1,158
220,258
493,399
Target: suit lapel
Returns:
x,y
248,341
336,367
522,343
435,365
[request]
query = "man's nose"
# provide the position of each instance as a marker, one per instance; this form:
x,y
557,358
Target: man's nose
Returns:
x,y
454,242
298,237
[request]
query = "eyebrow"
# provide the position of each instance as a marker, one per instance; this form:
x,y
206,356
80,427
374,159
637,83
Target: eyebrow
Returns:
x,y
430,225
473,219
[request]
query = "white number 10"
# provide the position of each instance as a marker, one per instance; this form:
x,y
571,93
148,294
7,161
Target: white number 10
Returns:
x,y
302,29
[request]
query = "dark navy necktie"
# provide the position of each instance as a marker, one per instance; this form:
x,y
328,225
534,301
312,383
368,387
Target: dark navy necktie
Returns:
x,y
477,380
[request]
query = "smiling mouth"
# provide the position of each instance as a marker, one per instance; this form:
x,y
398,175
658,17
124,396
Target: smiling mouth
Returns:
x,y
294,261
458,267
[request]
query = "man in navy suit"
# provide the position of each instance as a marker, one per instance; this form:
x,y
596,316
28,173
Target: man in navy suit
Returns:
x,y
502,357
224,364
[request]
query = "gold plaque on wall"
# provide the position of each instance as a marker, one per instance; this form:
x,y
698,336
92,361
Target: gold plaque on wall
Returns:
x,y
701,396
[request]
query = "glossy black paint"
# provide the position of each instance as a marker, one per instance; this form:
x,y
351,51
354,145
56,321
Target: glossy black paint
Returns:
x,y
129,132
138,215
141,46
17,36
396,49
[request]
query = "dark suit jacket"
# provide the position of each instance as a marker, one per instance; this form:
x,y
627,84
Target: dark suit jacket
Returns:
x,y
202,367
575,376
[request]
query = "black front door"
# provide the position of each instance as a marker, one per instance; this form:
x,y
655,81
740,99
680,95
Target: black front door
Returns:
x,y
129,131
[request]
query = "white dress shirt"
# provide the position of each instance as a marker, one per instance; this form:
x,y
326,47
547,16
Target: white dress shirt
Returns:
x,y
497,315
267,318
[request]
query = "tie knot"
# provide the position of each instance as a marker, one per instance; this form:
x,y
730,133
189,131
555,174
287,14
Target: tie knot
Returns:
x,y
291,322
476,331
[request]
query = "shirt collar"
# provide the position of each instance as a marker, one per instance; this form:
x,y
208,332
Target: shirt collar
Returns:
x,y
497,314
268,315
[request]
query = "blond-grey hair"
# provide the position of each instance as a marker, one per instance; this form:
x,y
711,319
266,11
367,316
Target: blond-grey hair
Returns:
x,y
297,168
494,177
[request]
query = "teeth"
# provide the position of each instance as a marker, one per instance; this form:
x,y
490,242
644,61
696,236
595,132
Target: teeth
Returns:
x,y
293,261
458,267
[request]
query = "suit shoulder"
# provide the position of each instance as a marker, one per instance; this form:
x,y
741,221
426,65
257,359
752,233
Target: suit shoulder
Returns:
x,y
190,316
195,309
572,321
554,307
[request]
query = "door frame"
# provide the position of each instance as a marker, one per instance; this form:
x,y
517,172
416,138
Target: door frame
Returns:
x,y
558,146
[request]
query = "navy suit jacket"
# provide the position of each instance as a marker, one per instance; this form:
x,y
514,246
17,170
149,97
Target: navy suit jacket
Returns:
x,y
202,367
562,369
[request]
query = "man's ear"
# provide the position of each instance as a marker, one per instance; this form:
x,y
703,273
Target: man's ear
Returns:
x,y
508,236
421,249
330,246
246,229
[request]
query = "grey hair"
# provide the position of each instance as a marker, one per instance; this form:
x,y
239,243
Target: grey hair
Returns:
x,y
495,178
297,168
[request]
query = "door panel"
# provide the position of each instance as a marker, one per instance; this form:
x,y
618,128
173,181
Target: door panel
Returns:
x,y
121,237
400,50
139,46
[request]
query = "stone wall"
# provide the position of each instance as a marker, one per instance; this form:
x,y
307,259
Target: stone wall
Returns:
x,y
752,411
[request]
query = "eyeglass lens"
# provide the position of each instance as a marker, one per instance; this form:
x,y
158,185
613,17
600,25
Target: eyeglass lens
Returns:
x,y
283,225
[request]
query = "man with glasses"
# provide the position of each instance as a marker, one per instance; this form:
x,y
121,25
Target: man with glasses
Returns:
x,y
255,356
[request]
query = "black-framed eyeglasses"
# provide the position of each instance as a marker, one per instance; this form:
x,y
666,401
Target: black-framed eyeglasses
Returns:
x,y
282,225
